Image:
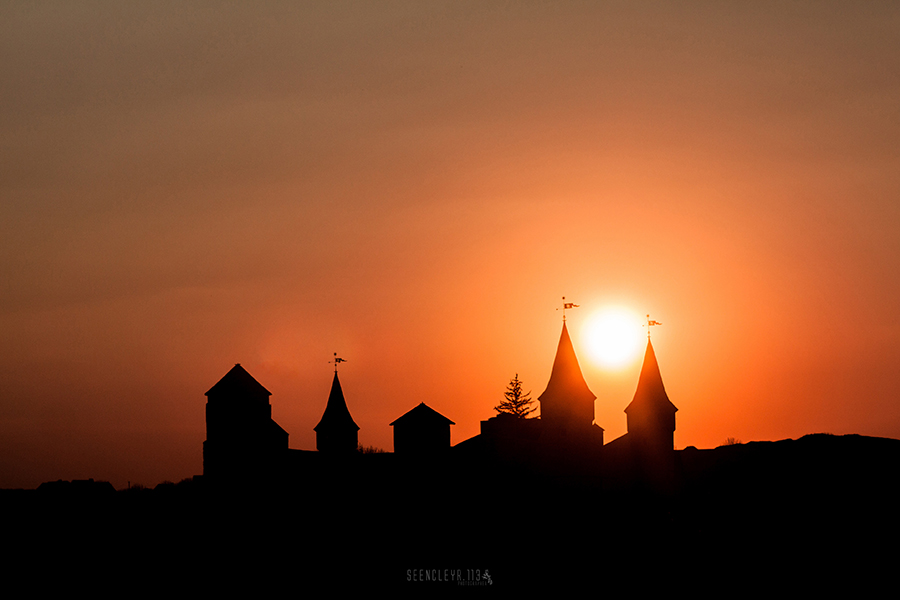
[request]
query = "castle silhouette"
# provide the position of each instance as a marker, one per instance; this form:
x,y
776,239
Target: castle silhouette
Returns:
x,y
243,441
537,502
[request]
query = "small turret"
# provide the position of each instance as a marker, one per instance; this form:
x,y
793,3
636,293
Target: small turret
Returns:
x,y
651,415
567,403
336,431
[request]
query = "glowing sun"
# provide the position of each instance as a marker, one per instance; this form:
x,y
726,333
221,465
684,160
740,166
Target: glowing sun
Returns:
x,y
613,336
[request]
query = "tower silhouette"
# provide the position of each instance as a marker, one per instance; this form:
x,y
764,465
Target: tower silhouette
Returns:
x,y
336,431
651,415
241,437
567,405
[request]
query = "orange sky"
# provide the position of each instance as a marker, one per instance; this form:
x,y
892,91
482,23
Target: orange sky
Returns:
x,y
415,185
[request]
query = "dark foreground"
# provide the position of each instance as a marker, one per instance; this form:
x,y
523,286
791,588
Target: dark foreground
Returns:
x,y
820,513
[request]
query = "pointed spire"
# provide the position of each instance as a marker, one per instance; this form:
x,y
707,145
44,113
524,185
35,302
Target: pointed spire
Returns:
x,y
336,432
650,393
337,415
567,399
651,415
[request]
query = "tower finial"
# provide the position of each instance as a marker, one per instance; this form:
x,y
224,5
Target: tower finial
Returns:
x,y
337,361
565,306
651,324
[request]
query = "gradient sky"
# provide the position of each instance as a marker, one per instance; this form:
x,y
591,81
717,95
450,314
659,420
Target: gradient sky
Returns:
x,y
415,185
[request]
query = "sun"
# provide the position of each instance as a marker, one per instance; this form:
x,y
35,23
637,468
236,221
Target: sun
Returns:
x,y
613,336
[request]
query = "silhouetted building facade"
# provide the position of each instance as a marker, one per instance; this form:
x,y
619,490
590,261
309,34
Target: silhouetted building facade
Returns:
x,y
336,432
512,439
422,431
564,444
241,437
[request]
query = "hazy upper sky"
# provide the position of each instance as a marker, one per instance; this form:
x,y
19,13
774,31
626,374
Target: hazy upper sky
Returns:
x,y
415,185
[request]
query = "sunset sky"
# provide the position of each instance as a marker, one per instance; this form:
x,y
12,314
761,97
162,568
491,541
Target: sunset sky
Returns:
x,y
415,185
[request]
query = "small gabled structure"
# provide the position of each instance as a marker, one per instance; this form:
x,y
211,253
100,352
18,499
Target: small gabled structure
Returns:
x,y
241,437
337,432
567,405
651,415
421,431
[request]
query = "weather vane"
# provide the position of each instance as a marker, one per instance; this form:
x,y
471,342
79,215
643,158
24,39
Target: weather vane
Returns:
x,y
337,361
651,324
565,306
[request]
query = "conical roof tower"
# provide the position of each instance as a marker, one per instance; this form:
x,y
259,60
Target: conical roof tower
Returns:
x,y
651,415
336,431
567,402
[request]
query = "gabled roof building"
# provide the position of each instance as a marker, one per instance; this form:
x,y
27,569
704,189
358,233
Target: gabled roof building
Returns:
x,y
241,437
420,431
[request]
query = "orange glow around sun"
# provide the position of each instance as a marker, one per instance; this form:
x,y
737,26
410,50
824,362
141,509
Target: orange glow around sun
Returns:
x,y
613,336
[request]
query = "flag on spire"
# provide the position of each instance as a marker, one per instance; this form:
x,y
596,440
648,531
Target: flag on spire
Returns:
x,y
565,306
651,324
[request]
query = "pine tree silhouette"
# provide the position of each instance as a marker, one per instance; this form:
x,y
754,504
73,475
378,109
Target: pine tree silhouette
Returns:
x,y
516,403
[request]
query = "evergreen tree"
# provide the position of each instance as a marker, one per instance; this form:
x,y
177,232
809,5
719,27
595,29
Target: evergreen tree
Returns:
x,y
516,403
